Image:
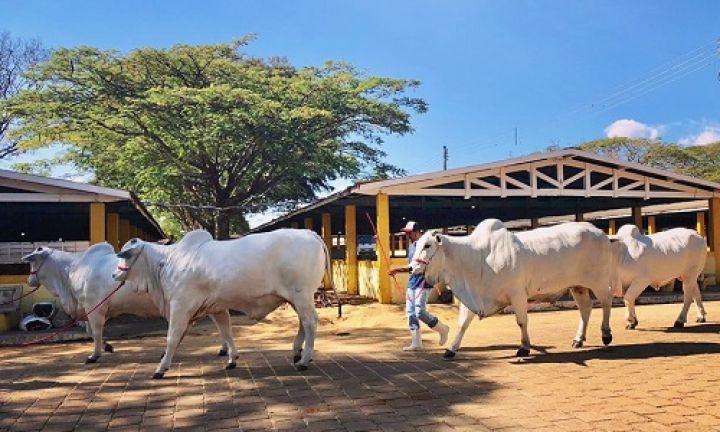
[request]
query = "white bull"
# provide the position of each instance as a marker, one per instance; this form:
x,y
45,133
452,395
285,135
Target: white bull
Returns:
x,y
254,274
83,280
492,268
656,259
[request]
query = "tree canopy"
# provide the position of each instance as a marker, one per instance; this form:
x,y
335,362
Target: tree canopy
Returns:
x,y
211,129
16,56
697,161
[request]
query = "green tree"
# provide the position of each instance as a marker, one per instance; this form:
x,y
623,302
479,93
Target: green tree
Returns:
x,y
697,161
212,127
16,55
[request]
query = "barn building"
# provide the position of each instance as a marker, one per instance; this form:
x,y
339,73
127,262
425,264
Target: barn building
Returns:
x,y
62,214
524,192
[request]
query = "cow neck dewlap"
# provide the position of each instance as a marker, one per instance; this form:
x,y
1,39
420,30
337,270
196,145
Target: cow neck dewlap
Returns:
x,y
58,274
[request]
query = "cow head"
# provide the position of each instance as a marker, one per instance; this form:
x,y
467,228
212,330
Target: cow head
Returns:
x,y
37,259
129,254
426,250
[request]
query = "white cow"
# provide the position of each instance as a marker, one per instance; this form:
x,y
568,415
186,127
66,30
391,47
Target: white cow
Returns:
x,y
656,259
254,274
83,280
492,268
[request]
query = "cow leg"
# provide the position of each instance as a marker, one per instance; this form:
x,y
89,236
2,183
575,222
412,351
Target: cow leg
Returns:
x,y
309,318
464,320
222,321
584,302
178,325
605,295
298,342
96,324
698,303
520,305
633,292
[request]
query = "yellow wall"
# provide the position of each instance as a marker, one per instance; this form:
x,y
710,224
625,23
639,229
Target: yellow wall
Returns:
x,y
10,321
339,271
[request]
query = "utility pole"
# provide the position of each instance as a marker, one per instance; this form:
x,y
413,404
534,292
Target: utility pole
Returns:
x,y
445,158
516,137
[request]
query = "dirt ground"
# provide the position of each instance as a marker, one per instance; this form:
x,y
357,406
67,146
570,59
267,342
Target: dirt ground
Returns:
x,y
653,378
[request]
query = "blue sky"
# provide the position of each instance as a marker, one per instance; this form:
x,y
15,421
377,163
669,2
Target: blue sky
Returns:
x,y
486,67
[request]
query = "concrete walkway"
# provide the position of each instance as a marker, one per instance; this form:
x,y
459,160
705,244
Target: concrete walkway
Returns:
x,y
653,378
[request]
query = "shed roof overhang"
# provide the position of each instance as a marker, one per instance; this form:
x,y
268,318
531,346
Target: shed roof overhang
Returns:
x,y
538,185
35,197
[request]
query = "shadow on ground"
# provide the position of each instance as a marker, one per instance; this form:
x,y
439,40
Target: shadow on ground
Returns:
x,y
627,352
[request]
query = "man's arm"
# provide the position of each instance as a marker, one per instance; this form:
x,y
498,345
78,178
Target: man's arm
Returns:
x,y
403,269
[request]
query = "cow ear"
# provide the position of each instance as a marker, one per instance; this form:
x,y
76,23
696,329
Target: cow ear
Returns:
x,y
438,239
125,254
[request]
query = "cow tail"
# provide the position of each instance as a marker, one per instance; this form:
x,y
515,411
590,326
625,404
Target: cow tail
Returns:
x,y
328,270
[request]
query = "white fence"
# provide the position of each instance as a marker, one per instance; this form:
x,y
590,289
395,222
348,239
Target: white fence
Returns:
x,y
12,252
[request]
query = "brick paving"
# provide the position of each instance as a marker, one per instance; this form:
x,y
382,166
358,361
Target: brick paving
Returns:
x,y
653,378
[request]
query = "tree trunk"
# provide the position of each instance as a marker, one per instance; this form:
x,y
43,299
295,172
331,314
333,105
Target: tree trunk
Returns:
x,y
222,225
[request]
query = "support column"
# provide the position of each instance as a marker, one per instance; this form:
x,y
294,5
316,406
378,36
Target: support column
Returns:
x,y
326,234
714,233
97,222
700,224
579,217
308,223
351,263
637,218
112,227
612,228
123,232
382,208
133,231
652,229
534,223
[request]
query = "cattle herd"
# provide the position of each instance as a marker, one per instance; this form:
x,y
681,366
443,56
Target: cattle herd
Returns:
x,y
488,270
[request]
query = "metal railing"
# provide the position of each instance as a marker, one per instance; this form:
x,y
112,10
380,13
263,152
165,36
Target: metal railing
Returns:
x,y
12,252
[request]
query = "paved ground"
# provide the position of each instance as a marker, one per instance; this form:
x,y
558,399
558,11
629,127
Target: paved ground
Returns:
x,y
653,378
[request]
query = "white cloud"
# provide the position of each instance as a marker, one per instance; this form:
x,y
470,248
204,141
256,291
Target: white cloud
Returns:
x,y
627,128
709,135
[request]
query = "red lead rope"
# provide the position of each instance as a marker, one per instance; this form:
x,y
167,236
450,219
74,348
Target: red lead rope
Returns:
x,y
67,326
22,296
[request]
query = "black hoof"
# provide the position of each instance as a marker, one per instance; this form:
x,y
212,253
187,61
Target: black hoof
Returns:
x,y
229,366
679,324
222,352
109,348
523,352
162,356
301,367
158,375
577,344
631,326
701,320
449,354
296,358
91,360
607,339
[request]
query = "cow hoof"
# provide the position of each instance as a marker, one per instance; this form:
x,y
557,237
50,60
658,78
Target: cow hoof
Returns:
x,y
109,348
631,326
449,354
606,339
522,352
577,344
296,358
679,324
222,352
162,356
229,366
91,360
701,320
158,375
301,367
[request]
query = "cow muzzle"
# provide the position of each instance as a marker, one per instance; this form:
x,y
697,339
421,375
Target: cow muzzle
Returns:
x,y
33,280
120,274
